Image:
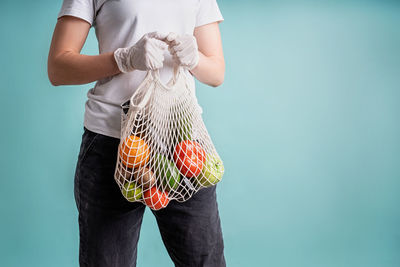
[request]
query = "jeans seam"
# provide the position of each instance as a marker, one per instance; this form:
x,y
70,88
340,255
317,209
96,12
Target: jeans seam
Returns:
x,y
82,234
88,148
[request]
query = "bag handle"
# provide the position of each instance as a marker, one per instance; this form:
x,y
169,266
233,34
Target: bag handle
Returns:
x,y
169,85
177,68
146,97
154,75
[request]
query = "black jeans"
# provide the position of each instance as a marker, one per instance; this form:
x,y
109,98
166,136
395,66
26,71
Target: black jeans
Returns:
x,y
109,225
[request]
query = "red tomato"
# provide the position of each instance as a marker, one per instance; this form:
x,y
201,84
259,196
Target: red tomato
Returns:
x,y
189,157
155,199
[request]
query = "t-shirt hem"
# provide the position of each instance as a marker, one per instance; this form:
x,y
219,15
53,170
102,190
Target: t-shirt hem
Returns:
x,y
103,132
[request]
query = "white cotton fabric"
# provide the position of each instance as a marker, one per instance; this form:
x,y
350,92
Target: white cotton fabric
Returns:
x,y
121,24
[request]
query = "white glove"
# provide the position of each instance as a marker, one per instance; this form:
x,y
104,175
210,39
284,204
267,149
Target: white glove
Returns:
x,y
184,49
147,53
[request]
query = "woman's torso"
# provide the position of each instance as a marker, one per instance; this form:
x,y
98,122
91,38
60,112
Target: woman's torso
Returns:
x,y
121,23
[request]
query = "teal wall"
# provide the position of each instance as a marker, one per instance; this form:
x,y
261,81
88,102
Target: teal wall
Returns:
x,y
307,123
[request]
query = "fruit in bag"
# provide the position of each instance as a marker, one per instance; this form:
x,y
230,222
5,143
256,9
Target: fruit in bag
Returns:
x,y
212,171
155,199
134,152
124,174
168,172
145,177
185,129
189,157
131,192
165,148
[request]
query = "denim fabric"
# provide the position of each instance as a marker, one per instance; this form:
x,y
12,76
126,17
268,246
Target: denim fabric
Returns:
x,y
109,225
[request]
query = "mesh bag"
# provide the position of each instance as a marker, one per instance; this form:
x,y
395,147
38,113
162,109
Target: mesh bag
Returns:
x,y
165,151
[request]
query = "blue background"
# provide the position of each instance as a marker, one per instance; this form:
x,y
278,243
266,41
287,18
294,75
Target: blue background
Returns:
x,y
307,123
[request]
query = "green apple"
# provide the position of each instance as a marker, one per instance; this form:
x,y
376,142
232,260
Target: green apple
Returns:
x,y
212,171
168,172
182,124
185,131
131,192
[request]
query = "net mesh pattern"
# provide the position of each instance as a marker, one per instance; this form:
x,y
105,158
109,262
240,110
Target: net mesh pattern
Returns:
x,y
165,152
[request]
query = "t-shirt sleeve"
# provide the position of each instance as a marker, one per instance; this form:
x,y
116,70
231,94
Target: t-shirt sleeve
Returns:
x,y
208,12
83,9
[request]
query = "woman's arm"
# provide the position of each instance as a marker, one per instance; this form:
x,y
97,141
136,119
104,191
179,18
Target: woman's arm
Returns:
x,y
65,63
211,67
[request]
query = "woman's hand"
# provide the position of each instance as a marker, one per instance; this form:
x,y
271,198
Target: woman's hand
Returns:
x,y
184,49
147,53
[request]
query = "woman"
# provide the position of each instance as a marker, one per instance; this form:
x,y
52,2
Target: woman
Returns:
x,y
135,36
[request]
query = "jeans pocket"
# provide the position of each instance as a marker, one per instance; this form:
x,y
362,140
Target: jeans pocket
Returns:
x,y
88,139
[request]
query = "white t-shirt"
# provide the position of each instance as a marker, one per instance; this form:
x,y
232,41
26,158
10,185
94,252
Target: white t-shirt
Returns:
x,y
121,24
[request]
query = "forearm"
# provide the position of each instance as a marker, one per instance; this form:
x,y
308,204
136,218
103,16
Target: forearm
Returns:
x,y
70,68
210,70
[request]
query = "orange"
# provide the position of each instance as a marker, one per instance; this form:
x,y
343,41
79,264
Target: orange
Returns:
x,y
134,152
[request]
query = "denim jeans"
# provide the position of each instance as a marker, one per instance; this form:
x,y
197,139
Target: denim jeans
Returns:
x,y
109,225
